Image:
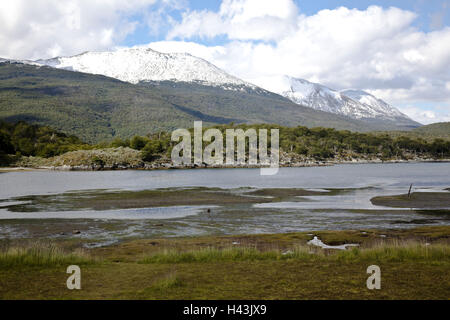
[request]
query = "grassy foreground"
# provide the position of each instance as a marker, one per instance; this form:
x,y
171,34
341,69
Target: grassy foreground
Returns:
x,y
414,264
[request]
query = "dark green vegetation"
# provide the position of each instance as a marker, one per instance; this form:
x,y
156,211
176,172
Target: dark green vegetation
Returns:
x,y
317,143
300,143
329,143
20,138
429,132
97,108
441,129
415,200
94,108
276,266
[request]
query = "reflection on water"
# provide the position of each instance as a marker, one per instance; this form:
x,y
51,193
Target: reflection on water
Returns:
x,y
343,203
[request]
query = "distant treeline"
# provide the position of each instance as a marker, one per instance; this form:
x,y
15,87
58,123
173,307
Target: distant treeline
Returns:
x,y
22,139
318,143
329,143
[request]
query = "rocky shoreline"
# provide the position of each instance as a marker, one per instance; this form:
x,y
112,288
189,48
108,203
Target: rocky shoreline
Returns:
x,y
169,165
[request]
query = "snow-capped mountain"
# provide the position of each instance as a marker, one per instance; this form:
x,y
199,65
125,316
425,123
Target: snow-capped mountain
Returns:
x,y
352,103
372,101
137,64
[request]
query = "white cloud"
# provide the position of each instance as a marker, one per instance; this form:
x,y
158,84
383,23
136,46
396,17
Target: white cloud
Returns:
x,y
46,28
426,116
240,19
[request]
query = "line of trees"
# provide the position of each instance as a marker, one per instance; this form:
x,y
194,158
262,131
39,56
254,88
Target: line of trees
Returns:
x,y
317,143
329,143
22,139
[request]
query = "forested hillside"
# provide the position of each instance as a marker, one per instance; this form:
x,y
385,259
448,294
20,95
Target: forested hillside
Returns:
x,y
97,108
441,129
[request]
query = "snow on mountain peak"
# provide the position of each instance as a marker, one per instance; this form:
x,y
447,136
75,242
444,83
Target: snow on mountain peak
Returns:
x,y
138,64
368,99
356,104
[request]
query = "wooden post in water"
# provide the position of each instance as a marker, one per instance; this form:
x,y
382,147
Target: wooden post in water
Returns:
x,y
409,192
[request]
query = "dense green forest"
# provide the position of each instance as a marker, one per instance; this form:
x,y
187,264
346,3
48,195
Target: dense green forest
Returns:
x,y
317,143
22,139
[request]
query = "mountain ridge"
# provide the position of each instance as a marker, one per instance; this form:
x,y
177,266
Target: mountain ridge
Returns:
x,y
136,65
98,108
144,65
353,103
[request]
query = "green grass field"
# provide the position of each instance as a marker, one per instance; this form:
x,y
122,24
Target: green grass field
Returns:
x,y
414,264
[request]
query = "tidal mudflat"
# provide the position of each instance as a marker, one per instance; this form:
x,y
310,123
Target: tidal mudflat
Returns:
x,y
107,216
112,206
